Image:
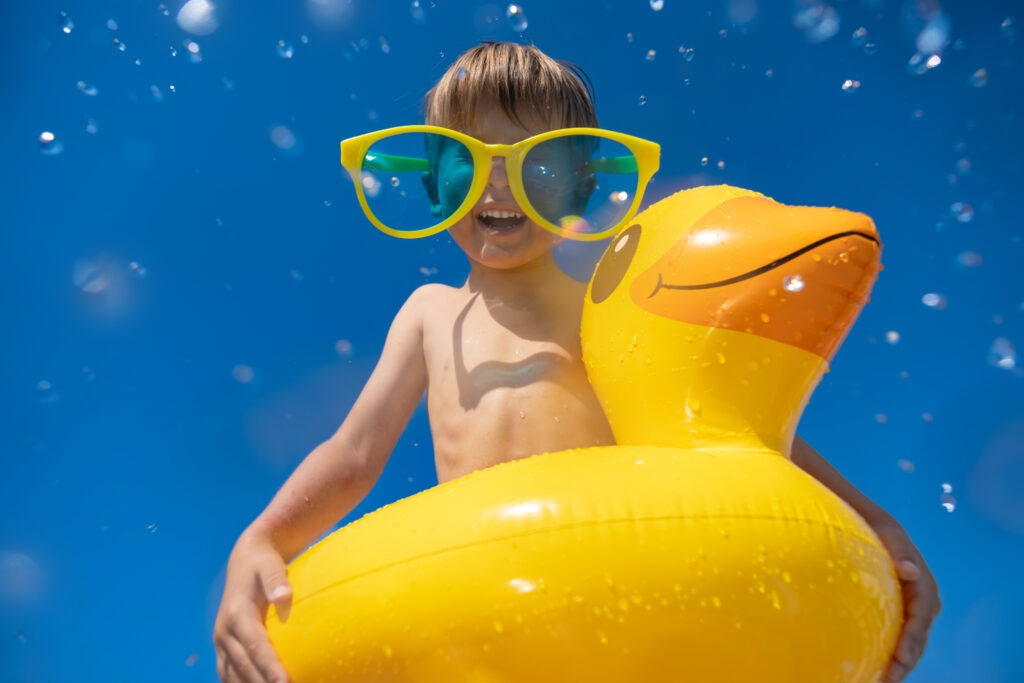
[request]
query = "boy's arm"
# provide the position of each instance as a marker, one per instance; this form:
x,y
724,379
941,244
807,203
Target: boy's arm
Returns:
x,y
326,486
921,602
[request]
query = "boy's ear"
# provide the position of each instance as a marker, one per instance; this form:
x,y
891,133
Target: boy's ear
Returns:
x,y
430,185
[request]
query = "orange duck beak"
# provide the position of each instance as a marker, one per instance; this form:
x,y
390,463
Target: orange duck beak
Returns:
x,y
800,278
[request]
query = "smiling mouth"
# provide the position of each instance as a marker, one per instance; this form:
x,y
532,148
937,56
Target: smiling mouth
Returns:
x,y
762,269
501,220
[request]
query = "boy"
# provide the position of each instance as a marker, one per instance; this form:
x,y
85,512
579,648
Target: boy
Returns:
x,y
499,357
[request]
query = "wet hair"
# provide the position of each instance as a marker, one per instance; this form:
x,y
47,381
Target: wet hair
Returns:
x,y
526,84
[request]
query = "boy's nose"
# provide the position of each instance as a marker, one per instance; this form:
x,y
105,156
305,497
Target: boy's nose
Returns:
x,y
498,178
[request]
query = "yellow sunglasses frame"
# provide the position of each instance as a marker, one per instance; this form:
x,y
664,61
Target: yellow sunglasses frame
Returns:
x,y
646,154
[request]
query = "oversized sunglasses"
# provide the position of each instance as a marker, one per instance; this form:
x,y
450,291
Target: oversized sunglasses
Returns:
x,y
581,183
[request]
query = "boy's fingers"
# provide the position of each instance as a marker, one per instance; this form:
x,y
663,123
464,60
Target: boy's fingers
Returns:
x,y
276,588
895,673
908,570
251,653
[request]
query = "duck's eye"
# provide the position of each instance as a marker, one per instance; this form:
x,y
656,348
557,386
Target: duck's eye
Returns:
x,y
614,264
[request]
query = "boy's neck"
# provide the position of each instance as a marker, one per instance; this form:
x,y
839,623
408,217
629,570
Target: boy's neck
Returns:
x,y
536,284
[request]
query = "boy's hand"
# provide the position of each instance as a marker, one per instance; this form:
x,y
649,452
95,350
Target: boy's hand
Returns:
x,y
256,578
921,602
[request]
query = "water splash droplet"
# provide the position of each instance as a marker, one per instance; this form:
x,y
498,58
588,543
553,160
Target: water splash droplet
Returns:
x,y
285,49
969,259
91,126
1008,29
86,89
343,347
688,53
859,38
198,17
119,45
643,100
1003,354
657,5
947,499
892,337
138,270
65,23
651,54
49,144
979,79
516,18
851,86
793,283
419,15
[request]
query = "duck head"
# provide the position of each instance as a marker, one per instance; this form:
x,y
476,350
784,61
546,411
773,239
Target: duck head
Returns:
x,y
710,320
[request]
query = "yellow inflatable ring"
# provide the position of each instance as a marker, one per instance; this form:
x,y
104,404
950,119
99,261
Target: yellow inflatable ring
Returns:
x,y
692,551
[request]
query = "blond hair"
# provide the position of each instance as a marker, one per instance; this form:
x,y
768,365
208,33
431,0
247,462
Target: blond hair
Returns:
x,y
526,84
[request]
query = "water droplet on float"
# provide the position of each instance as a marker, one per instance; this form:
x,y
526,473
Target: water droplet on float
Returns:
x,y
793,283
285,49
979,79
851,86
395,182
892,337
688,53
65,23
119,45
49,144
657,5
651,54
516,18
643,100
89,90
859,37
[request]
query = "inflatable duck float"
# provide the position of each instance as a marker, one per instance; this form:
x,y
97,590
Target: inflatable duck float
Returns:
x,y
693,550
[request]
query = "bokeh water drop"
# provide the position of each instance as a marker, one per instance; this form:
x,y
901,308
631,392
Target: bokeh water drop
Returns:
x,y
119,45
91,126
1008,29
243,374
651,54
198,17
851,86
935,301
892,337
657,5
859,38
819,21
643,100
688,53
285,49
516,18
87,89
979,79
962,211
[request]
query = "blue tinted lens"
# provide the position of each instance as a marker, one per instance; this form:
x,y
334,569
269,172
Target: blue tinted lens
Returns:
x,y
413,181
579,182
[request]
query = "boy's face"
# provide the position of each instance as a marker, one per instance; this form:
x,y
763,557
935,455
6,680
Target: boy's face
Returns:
x,y
496,233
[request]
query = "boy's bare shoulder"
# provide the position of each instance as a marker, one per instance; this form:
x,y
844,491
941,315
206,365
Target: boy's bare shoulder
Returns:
x,y
432,299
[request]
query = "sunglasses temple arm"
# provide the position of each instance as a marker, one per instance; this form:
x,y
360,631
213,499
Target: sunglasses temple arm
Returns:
x,y
624,164
374,161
